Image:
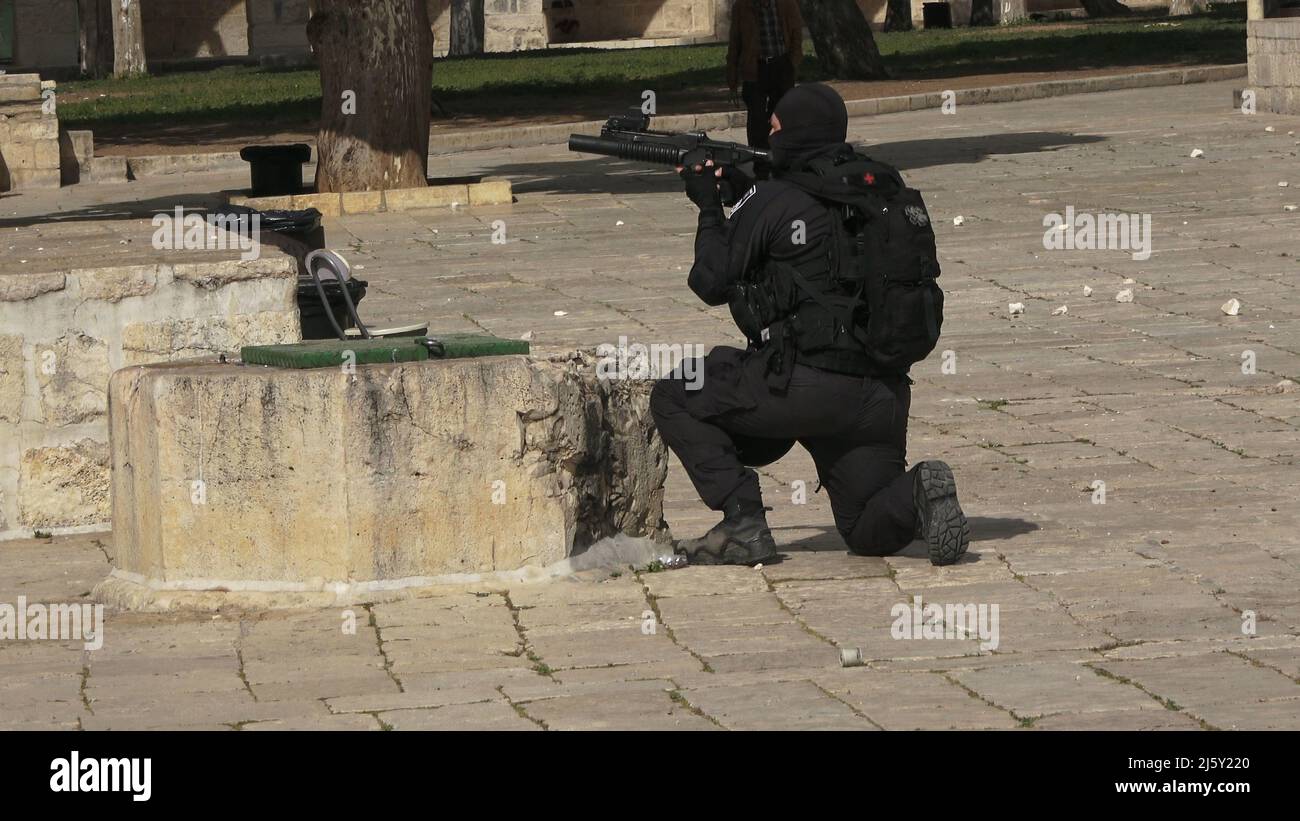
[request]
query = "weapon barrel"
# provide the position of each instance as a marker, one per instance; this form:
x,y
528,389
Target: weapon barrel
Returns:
x,y
638,151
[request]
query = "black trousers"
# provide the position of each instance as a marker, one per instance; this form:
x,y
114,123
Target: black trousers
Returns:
x,y
855,428
775,78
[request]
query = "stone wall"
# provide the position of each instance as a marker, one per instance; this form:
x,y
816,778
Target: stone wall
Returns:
x,y
514,25
1273,59
183,29
570,21
45,33
29,133
274,487
278,27
63,333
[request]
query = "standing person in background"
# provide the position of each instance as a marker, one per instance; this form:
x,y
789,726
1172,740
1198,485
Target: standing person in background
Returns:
x,y
765,49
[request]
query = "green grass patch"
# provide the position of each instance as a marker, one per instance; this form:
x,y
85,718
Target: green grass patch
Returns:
x,y
552,80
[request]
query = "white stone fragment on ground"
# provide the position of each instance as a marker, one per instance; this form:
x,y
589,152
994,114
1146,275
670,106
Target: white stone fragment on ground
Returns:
x,y
1125,295
561,313
1016,308
1197,153
526,336
1270,129
620,222
958,220
1285,386
1283,184
1232,307
1061,311
1087,290
1289,207
1129,281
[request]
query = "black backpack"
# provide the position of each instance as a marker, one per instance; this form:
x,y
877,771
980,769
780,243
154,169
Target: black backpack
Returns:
x,y
882,296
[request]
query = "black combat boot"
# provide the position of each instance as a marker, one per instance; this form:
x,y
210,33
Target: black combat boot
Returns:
x,y
742,537
939,519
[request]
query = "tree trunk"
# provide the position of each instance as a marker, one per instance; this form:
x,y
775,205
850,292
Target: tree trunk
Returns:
x,y
983,13
376,74
898,15
128,39
843,39
1177,8
1105,8
95,37
1012,11
466,28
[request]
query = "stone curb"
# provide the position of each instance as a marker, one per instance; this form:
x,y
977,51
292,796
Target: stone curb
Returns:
x,y
487,191
515,137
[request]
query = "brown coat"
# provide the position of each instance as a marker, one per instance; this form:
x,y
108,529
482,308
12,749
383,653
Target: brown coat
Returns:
x,y
744,49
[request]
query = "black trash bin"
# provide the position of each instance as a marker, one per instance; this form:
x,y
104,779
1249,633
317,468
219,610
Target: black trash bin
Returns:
x,y
315,321
937,15
303,233
276,170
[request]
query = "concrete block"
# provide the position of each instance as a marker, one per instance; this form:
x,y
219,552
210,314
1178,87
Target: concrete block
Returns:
x,y
20,93
328,204
893,105
76,152
491,191
113,284
319,486
362,202
45,152
433,196
18,156
19,287
35,177
108,169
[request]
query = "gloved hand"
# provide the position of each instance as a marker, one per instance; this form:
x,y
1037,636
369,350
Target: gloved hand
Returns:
x,y
733,184
702,185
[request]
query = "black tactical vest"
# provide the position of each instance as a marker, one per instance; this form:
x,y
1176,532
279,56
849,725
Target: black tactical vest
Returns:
x,y
864,300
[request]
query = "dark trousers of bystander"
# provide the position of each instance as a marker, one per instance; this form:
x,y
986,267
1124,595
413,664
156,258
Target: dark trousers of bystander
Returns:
x,y
775,78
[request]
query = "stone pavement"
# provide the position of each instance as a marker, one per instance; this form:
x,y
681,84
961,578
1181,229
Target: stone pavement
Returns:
x,y
1164,599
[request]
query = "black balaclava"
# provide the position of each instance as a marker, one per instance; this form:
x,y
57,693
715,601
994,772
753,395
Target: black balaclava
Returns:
x,y
813,117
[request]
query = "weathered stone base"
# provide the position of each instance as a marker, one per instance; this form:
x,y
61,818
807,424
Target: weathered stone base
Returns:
x,y
133,592
247,486
1273,58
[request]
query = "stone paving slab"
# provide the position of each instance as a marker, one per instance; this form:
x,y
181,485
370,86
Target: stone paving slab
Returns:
x,y
1171,605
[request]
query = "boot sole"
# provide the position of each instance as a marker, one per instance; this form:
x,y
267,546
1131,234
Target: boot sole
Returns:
x,y
734,553
943,524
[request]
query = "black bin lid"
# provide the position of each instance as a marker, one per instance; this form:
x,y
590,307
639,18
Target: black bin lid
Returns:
x,y
295,153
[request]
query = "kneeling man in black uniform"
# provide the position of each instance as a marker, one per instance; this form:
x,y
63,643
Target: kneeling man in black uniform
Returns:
x,y
829,269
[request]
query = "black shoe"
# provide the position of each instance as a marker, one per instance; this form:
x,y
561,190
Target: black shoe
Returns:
x,y
939,518
742,537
